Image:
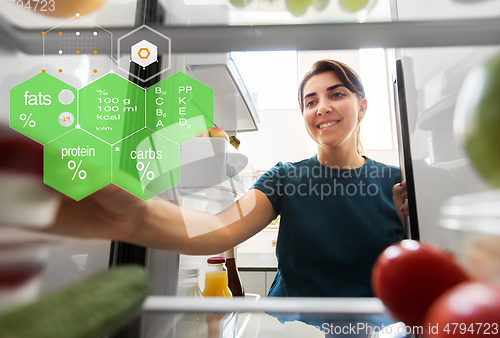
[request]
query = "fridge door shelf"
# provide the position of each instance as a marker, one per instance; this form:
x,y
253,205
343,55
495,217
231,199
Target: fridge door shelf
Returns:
x,y
476,212
224,191
207,162
472,225
234,110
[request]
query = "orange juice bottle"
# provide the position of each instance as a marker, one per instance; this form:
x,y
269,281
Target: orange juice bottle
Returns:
x,y
216,281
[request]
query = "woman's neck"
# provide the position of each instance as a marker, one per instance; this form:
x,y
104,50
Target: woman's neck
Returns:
x,y
339,158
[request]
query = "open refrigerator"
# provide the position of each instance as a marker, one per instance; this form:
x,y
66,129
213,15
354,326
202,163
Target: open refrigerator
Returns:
x,y
430,45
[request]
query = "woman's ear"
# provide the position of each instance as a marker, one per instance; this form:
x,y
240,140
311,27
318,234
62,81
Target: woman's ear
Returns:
x,y
363,105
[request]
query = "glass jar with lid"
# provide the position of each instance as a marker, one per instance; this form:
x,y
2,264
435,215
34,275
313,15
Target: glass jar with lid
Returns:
x,y
188,283
190,324
216,280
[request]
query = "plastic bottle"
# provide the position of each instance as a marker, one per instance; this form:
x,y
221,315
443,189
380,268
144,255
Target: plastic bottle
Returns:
x,y
216,281
233,276
190,324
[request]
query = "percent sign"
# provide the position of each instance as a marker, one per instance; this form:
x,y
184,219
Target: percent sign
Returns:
x,y
82,174
28,120
149,174
102,92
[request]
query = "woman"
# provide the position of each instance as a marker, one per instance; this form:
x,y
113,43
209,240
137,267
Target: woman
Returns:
x,y
337,208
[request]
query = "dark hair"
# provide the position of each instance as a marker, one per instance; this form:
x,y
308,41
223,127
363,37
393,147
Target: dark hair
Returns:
x,y
346,75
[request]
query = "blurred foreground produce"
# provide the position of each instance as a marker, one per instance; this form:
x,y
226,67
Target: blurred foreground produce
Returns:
x,y
64,8
21,155
467,310
353,5
409,276
92,308
240,3
320,5
477,119
297,7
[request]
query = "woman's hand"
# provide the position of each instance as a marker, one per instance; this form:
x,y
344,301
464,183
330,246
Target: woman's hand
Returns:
x,y
110,213
113,213
399,195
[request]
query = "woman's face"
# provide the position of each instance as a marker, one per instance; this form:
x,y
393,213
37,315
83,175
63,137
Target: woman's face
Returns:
x,y
331,111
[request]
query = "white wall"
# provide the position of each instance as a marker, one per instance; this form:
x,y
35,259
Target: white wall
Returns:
x,y
282,135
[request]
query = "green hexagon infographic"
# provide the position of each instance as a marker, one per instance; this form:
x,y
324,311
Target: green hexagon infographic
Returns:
x,y
103,133
77,164
43,108
145,164
111,108
179,107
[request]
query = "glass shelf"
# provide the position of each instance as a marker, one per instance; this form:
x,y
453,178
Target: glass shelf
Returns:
x,y
116,13
266,317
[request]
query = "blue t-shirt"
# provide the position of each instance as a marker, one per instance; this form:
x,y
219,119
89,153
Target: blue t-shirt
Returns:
x,y
334,224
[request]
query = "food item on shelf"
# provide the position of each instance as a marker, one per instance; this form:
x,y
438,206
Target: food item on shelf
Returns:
x,y
16,275
409,276
24,198
240,3
482,256
320,4
214,132
216,281
64,8
234,142
190,324
92,308
468,310
297,7
477,119
216,285
353,5
21,155
234,281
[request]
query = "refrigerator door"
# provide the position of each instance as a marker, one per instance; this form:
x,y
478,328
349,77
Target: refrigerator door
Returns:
x,y
430,80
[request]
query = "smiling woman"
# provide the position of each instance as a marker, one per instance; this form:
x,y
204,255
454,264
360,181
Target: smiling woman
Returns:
x,y
331,97
338,207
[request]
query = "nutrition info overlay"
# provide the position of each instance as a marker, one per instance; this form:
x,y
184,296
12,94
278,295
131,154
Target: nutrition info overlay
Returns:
x,y
111,130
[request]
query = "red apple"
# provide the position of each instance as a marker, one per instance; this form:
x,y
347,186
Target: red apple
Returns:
x,y
214,132
468,310
409,276
204,134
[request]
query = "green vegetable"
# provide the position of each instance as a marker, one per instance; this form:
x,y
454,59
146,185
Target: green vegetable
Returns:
x,y
477,119
320,5
91,308
352,5
297,7
240,3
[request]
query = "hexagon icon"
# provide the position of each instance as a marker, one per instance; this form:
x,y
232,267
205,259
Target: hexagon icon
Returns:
x,y
77,164
43,108
179,107
145,164
148,48
69,50
144,53
111,108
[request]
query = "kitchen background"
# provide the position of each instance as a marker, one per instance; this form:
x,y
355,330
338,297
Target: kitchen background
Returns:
x,y
273,79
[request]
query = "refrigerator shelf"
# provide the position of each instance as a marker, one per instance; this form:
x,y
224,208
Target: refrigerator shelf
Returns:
x,y
224,39
475,212
328,306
